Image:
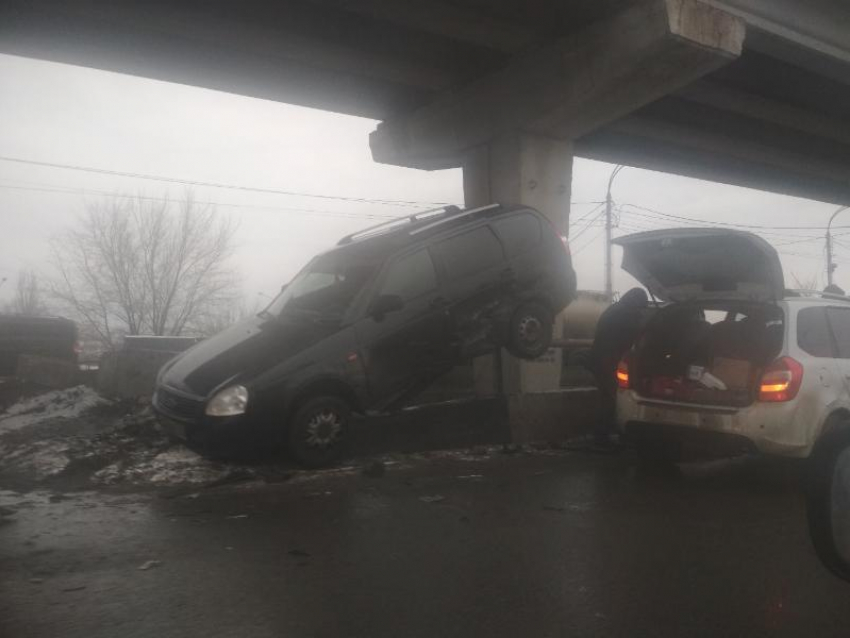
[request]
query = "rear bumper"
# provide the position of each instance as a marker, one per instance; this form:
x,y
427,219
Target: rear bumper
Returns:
x,y
771,429
707,442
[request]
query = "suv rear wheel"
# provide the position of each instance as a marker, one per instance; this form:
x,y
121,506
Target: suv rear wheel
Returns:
x,y
318,430
530,331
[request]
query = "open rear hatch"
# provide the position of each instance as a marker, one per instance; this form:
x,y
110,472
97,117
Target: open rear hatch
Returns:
x,y
711,344
690,264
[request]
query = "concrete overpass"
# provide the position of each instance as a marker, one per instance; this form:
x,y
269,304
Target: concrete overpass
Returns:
x,y
749,92
753,92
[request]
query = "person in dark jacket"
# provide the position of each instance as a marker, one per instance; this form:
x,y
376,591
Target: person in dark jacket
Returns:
x,y
616,331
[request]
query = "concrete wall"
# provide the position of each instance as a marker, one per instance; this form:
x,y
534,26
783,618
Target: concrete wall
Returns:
x,y
130,373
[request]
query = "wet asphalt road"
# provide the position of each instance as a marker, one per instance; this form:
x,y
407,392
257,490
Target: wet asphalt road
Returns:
x,y
524,545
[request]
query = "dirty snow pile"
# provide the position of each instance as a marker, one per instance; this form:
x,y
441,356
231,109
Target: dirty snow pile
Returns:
x,y
76,439
68,403
172,466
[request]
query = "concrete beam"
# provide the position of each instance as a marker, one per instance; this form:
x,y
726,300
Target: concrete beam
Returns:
x,y
463,24
572,86
220,37
685,149
763,109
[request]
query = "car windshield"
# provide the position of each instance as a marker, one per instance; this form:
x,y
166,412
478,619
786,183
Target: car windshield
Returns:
x,y
325,287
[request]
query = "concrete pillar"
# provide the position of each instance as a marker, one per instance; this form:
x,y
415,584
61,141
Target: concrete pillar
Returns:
x,y
535,171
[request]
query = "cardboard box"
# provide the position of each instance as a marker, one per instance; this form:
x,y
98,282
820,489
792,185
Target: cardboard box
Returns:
x,y
735,373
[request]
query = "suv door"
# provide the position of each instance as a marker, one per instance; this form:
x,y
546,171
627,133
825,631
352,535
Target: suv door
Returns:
x,y
839,322
406,348
477,278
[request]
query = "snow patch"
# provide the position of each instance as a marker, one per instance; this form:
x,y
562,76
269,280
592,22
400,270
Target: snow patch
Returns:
x,y
67,404
175,466
41,459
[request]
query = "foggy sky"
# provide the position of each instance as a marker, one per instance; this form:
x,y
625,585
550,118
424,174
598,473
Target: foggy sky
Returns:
x,y
69,115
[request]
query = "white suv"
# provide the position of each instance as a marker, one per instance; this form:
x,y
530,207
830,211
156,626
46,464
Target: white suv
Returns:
x,y
732,361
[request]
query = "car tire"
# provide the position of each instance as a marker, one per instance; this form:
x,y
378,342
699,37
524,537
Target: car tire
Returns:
x,y
530,331
318,431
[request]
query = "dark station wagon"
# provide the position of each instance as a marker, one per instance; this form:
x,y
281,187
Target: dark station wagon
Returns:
x,y
366,325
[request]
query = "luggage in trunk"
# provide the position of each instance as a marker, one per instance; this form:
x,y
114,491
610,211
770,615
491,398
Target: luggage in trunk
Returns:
x,y
686,358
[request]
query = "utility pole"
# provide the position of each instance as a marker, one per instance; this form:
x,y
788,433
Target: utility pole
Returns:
x,y
830,264
609,225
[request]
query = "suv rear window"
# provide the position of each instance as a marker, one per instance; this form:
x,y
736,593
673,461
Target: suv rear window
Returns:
x,y
518,232
813,335
470,252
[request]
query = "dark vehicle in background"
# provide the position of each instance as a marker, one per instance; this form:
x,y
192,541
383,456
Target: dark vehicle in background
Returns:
x,y
45,336
367,324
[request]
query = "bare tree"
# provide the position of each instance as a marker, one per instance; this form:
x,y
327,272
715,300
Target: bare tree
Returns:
x,y
221,317
810,283
28,299
140,266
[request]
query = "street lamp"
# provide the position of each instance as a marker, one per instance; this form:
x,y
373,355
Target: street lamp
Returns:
x,y
830,266
609,206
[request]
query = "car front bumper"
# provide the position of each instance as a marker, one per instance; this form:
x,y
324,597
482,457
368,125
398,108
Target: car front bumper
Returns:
x,y
208,435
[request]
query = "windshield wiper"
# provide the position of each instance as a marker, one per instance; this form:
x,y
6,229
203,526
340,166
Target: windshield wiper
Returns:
x,y
265,314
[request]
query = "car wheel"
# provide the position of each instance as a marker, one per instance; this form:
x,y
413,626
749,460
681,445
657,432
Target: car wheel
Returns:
x,y
530,332
318,431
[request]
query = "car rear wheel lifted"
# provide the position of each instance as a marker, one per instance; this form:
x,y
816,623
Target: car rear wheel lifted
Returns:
x,y
318,430
530,330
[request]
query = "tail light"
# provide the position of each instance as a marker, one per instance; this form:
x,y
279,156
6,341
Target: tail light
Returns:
x,y
781,380
78,347
623,374
566,243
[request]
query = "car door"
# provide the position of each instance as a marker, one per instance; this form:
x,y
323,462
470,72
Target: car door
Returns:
x,y
408,347
839,322
477,277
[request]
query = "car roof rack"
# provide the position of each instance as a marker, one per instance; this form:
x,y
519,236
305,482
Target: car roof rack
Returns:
x,y
384,227
800,292
444,214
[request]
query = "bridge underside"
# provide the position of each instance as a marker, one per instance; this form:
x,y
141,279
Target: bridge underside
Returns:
x,y
776,116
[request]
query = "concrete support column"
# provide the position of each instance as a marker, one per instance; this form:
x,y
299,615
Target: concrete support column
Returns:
x,y
534,171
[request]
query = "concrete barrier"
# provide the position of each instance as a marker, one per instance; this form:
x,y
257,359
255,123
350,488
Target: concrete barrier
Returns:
x,y
130,373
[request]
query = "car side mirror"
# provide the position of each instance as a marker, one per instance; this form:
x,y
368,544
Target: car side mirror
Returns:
x,y
385,304
828,499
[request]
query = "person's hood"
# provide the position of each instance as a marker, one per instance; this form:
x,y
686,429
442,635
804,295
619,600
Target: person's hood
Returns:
x,y
241,352
694,264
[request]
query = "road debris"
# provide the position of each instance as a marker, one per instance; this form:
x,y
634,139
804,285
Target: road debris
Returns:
x,y
436,498
149,564
237,516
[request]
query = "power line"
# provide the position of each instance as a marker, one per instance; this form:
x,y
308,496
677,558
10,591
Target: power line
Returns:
x,y
728,224
174,180
589,243
588,213
308,211
704,223
587,226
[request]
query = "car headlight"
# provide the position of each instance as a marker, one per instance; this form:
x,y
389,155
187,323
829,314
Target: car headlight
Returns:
x,y
229,402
